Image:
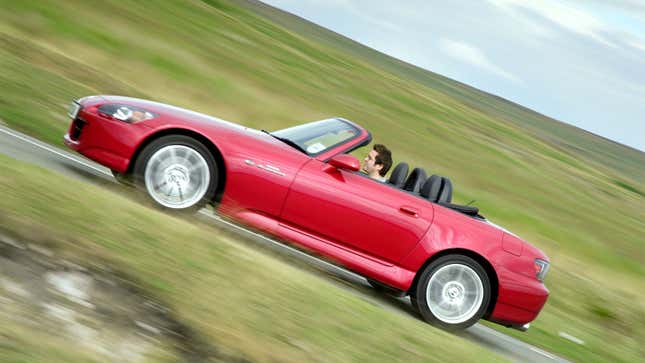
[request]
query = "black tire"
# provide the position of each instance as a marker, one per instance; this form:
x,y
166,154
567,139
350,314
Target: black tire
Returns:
x,y
414,303
207,173
459,282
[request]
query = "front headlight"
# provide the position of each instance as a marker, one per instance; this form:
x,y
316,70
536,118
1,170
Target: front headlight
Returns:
x,y
126,113
541,268
73,109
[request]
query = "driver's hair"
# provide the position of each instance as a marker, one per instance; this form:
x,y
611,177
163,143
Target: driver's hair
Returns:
x,y
383,157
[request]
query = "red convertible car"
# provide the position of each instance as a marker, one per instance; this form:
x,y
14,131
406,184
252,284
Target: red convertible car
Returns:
x,y
301,185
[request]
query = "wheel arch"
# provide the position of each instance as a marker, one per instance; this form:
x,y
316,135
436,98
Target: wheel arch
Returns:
x,y
486,265
212,148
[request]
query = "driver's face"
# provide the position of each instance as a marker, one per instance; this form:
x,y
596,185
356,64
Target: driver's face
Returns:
x,y
369,165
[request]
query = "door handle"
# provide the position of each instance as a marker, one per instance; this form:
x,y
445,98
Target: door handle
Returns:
x,y
409,210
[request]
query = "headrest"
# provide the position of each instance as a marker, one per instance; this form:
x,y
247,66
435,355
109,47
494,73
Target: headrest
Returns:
x,y
400,172
415,180
445,196
437,189
431,188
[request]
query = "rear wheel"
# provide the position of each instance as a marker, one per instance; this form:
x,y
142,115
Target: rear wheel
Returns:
x,y
453,292
177,172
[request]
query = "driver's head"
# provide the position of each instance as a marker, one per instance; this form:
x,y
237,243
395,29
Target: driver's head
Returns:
x,y
378,161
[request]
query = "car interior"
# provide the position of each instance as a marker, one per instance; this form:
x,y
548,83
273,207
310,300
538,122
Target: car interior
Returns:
x,y
416,179
436,188
398,175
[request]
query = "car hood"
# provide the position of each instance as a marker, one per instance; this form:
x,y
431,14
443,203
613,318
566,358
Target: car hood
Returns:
x,y
172,116
166,111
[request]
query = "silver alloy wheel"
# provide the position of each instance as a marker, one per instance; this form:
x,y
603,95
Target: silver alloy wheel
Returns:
x,y
177,176
455,293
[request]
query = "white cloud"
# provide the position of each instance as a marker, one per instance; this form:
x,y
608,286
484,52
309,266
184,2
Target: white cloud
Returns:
x,y
637,44
379,22
469,54
635,7
572,19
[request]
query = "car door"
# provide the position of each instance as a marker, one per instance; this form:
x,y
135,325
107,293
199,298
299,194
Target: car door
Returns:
x,y
355,211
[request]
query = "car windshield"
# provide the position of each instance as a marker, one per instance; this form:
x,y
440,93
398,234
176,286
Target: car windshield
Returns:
x,y
317,137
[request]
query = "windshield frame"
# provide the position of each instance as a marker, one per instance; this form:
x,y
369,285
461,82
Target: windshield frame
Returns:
x,y
361,138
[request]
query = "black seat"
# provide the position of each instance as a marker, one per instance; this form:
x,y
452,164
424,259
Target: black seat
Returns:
x,y
431,188
416,179
437,189
445,196
400,172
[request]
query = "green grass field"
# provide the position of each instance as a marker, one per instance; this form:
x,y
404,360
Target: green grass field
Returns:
x,y
241,303
575,195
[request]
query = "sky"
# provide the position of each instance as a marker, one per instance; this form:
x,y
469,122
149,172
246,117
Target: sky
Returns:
x,y
578,61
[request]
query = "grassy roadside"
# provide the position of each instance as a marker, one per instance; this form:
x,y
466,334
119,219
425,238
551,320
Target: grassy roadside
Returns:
x,y
547,184
241,301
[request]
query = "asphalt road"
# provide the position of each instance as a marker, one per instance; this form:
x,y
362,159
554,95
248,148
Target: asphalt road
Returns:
x,y
25,148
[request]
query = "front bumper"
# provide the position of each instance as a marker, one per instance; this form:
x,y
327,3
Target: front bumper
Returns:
x,y
110,143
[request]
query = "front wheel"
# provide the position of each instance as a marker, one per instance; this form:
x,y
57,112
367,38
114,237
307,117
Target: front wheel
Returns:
x,y
453,292
177,172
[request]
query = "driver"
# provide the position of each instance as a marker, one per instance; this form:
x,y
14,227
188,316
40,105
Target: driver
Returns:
x,y
377,162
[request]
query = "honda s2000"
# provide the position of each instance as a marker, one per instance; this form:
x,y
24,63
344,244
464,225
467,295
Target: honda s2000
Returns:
x,y
301,185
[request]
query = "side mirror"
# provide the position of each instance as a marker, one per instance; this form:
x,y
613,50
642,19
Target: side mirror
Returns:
x,y
345,162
